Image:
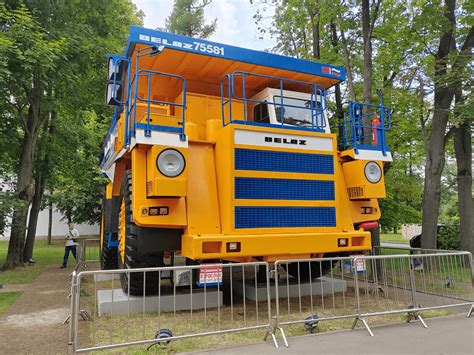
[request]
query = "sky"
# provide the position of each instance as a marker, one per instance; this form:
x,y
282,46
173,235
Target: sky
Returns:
x,y
235,25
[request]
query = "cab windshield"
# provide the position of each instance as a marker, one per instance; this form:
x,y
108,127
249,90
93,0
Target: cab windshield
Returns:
x,y
295,116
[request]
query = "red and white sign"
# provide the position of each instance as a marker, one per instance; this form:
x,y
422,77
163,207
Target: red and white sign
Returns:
x,y
360,264
210,274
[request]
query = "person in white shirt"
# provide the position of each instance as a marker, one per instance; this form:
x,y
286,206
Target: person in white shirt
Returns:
x,y
71,244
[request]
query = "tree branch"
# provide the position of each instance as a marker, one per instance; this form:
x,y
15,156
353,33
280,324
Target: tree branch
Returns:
x,y
468,43
449,134
424,43
374,18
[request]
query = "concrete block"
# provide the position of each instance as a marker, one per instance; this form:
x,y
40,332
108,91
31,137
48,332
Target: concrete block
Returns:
x,y
122,303
106,277
323,285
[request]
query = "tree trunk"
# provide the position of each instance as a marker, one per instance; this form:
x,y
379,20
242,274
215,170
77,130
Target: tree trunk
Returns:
x,y
50,221
314,17
366,34
347,65
435,158
463,152
33,218
24,191
435,161
24,186
337,91
3,222
42,173
367,84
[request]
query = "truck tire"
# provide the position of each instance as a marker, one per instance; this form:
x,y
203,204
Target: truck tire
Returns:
x,y
317,269
134,283
108,256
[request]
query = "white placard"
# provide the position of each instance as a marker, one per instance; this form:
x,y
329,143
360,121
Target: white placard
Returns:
x,y
360,264
210,274
267,139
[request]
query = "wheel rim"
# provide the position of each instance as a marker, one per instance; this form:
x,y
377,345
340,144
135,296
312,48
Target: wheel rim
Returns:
x,y
122,231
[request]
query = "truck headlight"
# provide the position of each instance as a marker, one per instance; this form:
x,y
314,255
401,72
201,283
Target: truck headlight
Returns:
x,y
373,173
170,163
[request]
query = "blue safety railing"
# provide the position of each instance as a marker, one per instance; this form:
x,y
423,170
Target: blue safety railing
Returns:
x,y
132,108
133,98
365,125
317,102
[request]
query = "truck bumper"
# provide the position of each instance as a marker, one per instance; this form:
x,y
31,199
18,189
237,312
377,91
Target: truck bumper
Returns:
x,y
272,246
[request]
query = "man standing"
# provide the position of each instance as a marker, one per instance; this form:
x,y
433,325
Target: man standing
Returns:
x,y
71,244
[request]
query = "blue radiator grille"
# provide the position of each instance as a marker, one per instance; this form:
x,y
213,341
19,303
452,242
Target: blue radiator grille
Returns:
x,y
281,217
283,189
264,160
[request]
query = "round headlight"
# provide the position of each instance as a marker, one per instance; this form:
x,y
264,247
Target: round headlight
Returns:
x,y
170,163
373,173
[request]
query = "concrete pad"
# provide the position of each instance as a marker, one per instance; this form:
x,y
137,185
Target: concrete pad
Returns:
x,y
323,285
117,302
106,277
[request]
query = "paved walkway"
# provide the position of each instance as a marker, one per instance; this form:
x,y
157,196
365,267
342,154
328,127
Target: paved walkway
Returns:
x,y
449,335
33,324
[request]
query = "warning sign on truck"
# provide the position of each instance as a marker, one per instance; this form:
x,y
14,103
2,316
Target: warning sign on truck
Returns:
x,y
210,275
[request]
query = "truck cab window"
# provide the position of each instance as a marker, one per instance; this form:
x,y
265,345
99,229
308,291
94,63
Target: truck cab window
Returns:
x,y
260,113
298,114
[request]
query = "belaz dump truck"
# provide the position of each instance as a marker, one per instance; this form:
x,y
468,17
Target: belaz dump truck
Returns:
x,y
219,153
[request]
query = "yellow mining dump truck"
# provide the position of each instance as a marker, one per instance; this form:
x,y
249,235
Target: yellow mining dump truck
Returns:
x,y
219,153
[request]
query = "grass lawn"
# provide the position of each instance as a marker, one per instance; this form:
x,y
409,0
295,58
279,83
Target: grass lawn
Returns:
x,y
45,255
390,237
7,299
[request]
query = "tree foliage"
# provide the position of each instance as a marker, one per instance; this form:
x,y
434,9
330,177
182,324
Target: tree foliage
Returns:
x,y
53,55
405,38
187,18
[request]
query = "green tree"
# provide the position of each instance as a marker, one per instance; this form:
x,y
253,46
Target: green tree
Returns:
x,y
187,18
419,54
30,58
55,69
448,66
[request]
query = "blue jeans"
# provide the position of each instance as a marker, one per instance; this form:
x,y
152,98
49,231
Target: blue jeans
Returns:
x,y
66,253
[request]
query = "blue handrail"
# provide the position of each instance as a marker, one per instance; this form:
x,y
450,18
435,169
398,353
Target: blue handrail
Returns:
x,y
358,135
316,108
132,109
133,96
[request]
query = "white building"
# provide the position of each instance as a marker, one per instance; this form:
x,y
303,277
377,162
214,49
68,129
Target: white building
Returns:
x,y
59,227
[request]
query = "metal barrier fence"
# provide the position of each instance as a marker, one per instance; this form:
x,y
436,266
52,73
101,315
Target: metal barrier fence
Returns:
x,y
318,290
231,299
88,251
240,297
413,283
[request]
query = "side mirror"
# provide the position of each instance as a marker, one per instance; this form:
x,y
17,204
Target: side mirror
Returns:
x,y
113,94
116,69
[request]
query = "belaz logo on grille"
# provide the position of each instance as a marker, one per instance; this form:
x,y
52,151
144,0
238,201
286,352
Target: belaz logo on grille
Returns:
x,y
285,140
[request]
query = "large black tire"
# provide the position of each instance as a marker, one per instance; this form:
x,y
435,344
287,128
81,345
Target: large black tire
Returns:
x,y
108,256
318,269
129,258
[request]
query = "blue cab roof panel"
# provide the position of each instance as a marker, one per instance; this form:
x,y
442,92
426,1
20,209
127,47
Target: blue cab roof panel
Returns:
x,y
140,35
